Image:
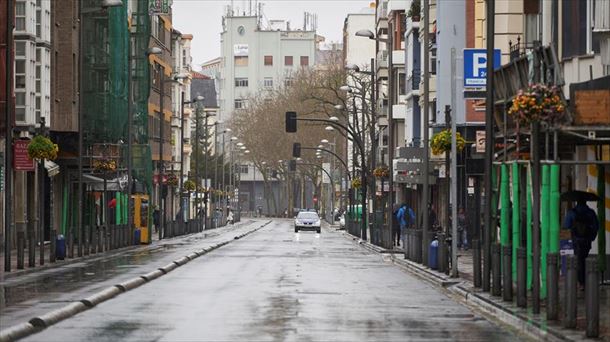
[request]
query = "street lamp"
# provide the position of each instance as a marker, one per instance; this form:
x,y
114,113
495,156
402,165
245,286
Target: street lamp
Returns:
x,y
111,3
329,128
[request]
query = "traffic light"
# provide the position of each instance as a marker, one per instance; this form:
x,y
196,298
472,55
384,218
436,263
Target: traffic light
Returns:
x,y
292,165
296,150
291,122
274,174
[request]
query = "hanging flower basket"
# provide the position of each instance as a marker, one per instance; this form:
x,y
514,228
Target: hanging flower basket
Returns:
x,y
381,172
104,165
356,183
538,103
172,180
41,148
441,142
189,185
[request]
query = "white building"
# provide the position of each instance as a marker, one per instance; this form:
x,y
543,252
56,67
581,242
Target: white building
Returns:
x,y
32,36
256,58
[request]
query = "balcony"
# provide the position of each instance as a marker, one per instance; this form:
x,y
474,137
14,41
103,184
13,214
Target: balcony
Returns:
x,y
382,12
382,59
396,5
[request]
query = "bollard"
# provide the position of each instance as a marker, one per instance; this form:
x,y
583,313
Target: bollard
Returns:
x,y
70,243
86,240
53,246
592,297
100,240
93,244
570,291
31,250
522,277
106,239
496,289
406,244
418,247
442,254
552,286
476,263
20,250
507,273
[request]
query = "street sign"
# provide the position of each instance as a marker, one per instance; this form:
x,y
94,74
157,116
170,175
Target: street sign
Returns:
x,y
22,161
156,7
480,143
475,66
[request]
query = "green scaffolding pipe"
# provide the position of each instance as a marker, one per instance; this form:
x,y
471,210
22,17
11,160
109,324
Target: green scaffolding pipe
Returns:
x,y
554,215
528,227
516,217
601,216
505,205
544,227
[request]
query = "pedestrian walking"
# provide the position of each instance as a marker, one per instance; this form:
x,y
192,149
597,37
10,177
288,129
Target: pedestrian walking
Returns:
x,y
405,217
230,217
583,224
462,226
396,226
156,216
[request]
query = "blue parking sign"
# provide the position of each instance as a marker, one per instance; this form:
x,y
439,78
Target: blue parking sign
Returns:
x,y
475,66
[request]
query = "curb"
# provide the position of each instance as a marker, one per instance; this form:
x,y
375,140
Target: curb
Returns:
x,y
42,322
474,300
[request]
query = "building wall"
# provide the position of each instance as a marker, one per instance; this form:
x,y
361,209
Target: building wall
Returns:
x,y
65,75
359,50
260,43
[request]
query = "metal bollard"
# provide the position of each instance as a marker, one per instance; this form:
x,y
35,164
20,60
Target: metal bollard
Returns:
x,y
552,286
407,245
507,273
442,253
93,244
31,250
70,243
53,246
86,239
570,291
592,297
522,277
418,248
496,288
100,240
107,237
476,263
20,250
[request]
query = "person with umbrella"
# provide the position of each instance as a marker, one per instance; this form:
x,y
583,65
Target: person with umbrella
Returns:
x,y
583,224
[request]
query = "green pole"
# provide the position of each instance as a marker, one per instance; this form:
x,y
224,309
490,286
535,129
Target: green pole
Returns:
x,y
554,215
601,215
544,227
494,204
516,217
117,209
505,202
528,227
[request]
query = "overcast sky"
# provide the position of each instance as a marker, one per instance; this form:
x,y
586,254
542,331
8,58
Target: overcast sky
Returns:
x,y
203,19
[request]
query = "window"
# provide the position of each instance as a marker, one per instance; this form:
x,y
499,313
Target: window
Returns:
x,y
243,169
402,84
161,31
38,55
20,16
20,49
38,22
304,60
288,60
268,82
20,67
288,82
239,104
183,57
433,61
19,106
241,82
268,60
156,76
241,60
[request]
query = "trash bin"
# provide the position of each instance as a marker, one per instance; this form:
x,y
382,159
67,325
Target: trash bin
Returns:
x,y
136,236
433,255
60,247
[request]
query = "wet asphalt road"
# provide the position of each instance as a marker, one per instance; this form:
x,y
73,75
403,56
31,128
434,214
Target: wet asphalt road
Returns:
x,y
275,285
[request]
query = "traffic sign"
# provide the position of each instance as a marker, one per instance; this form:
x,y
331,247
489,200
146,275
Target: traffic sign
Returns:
x,y
475,66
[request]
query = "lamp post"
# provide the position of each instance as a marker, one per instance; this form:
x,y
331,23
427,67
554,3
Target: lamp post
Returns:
x,y
389,41
197,99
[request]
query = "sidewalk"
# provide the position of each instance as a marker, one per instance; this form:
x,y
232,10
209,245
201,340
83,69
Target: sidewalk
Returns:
x,y
507,313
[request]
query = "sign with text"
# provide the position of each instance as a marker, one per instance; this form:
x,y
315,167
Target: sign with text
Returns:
x,y
156,7
22,161
240,50
480,143
475,66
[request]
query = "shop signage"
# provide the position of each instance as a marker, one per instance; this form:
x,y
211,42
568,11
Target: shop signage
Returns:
x,y
22,161
156,7
240,50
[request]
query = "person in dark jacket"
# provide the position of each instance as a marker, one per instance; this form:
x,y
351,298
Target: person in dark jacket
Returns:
x,y
583,224
396,227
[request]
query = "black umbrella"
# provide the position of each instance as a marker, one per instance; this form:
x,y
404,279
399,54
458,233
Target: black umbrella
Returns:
x,y
577,195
